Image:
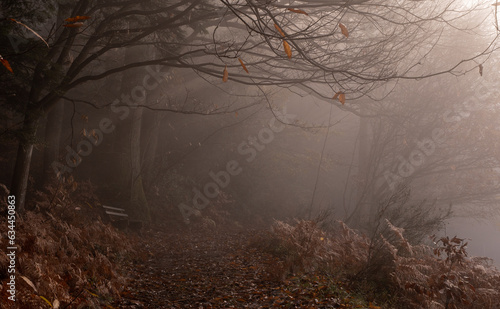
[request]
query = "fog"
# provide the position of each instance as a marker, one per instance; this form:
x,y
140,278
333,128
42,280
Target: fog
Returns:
x,y
197,125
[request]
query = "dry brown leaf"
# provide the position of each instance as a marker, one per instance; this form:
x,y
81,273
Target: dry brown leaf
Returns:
x,y
299,11
226,74
342,98
344,30
243,66
28,281
287,48
76,18
279,30
6,64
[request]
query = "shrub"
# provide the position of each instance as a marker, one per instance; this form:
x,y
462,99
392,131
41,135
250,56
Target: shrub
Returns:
x,y
65,253
418,276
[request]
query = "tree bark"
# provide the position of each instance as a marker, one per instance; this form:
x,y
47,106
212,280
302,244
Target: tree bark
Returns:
x,y
151,134
137,197
20,178
53,131
128,166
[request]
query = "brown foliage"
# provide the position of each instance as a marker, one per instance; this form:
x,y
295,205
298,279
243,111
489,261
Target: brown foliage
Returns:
x,y
416,275
65,250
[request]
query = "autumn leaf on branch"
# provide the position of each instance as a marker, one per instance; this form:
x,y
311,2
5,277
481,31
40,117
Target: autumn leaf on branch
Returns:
x,y
298,11
344,30
279,29
340,96
287,48
6,64
243,66
226,74
75,22
76,18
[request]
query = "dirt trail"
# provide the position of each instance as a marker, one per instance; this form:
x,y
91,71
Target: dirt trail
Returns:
x,y
198,269
219,270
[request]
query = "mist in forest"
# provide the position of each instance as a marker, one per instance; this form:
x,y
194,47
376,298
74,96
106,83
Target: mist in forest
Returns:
x,y
378,118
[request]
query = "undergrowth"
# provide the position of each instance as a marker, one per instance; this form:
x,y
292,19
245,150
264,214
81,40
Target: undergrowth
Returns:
x,y
66,256
394,274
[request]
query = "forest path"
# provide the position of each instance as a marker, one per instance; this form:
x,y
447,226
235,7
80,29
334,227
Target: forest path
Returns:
x,y
206,269
215,270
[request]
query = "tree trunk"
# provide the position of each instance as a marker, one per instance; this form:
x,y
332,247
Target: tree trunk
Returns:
x,y
20,178
360,215
53,128
53,131
151,134
128,140
364,171
137,197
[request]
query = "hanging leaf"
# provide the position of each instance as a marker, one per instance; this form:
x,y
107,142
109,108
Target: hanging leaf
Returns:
x,y
298,11
287,48
20,23
243,66
6,64
74,25
341,96
481,69
344,30
226,75
279,30
28,281
46,300
76,18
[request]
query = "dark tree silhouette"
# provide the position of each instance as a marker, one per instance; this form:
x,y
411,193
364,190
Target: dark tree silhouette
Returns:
x,y
387,41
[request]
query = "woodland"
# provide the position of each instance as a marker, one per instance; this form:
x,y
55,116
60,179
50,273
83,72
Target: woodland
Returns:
x,y
249,154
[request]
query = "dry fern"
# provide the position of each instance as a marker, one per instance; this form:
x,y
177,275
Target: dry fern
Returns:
x,y
65,251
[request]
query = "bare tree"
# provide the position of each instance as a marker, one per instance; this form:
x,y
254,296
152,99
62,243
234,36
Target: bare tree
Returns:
x,y
320,48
